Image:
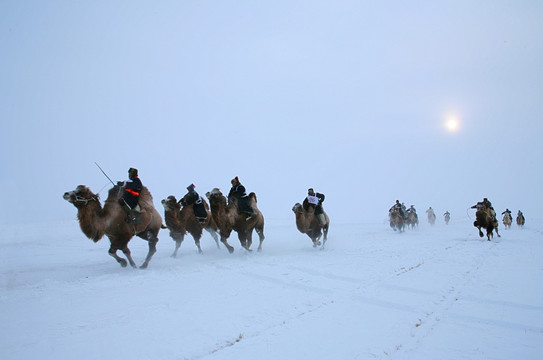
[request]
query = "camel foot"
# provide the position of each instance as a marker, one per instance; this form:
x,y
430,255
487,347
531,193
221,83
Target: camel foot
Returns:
x,y
123,263
174,255
230,250
144,266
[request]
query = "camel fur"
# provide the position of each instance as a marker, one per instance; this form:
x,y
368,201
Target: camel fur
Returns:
x,y
95,221
182,220
227,218
485,220
412,219
396,220
520,220
507,220
307,223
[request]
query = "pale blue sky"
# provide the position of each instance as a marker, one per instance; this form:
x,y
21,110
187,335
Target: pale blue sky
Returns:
x,y
348,97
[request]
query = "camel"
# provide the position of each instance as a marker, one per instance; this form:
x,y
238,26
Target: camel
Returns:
x,y
484,219
227,219
180,220
397,222
507,220
412,219
447,216
520,219
307,223
431,216
95,221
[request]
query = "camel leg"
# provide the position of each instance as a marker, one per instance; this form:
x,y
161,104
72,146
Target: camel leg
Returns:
x,y
178,237
152,251
197,242
242,236
325,231
152,238
113,252
260,232
126,252
497,233
228,246
215,237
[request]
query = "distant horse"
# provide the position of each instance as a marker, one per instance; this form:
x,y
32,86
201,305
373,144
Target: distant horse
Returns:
x,y
484,219
397,222
431,216
520,219
507,220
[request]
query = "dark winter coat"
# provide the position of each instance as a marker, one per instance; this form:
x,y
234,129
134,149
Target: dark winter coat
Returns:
x,y
192,197
318,207
238,192
131,192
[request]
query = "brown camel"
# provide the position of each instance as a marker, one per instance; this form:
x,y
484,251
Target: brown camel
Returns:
x,y
484,219
412,219
507,220
307,223
520,219
227,218
397,222
95,221
180,220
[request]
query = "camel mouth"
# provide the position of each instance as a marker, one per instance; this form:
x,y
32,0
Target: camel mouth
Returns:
x,y
69,196
169,203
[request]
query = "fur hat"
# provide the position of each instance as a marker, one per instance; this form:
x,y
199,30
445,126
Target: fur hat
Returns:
x,y
235,180
310,190
191,187
133,171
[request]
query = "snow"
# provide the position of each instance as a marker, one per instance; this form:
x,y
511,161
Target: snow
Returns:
x,y
372,293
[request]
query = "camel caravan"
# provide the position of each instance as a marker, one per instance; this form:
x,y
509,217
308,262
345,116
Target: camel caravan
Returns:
x,y
129,211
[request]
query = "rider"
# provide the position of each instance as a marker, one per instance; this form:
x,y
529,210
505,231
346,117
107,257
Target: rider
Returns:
x,y
315,199
238,192
192,197
412,210
130,197
507,211
399,207
488,205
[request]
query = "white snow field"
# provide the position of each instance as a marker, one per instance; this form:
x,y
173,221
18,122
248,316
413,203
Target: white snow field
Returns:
x,y
436,292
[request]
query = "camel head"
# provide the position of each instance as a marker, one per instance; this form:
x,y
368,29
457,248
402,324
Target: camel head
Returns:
x,y
170,204
479,206
297,208
80,196
215,195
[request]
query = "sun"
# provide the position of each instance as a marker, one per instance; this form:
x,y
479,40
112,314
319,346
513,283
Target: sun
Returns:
x,y
452,124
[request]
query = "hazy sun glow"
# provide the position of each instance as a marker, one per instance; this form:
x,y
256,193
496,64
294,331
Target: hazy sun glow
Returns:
x,y
452,124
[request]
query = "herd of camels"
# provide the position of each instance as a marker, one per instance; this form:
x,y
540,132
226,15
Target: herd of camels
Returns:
x,y
223,218
485,218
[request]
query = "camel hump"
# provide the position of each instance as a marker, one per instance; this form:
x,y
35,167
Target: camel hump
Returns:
x,y
146,199
252,196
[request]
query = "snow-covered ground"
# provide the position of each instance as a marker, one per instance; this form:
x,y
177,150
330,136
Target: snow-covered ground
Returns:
x,y
436,292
